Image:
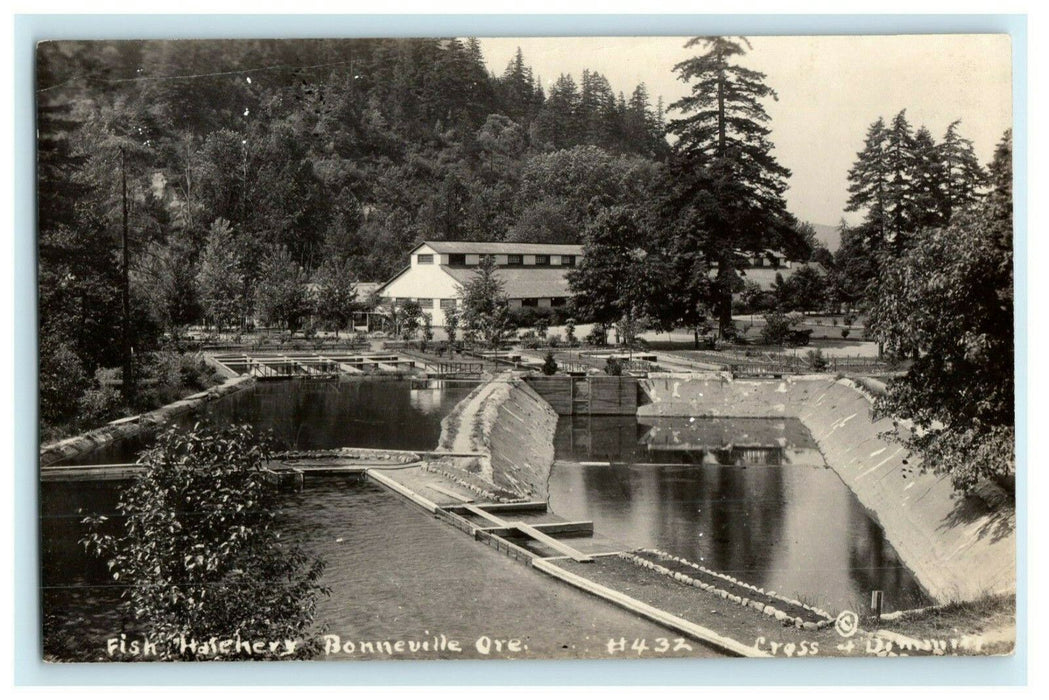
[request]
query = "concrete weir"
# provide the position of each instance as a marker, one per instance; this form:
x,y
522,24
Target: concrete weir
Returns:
x,y
958,548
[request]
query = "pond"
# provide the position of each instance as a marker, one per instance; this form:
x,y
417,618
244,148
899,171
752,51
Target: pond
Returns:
x,y
751,498
312,415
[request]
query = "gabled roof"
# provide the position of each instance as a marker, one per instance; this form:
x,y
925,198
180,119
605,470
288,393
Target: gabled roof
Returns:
x,y
500,248
522,282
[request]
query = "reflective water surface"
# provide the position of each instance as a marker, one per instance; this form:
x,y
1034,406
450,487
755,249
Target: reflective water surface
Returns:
x,y
748,497
312,414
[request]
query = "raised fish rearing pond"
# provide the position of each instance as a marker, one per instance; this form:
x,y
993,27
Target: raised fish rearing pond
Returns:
x,y
749,497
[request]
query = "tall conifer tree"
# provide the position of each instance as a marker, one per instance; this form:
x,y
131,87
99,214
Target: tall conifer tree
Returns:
x,y
725,188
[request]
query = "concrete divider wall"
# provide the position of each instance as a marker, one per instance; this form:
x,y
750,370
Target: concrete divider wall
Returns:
x,y
79,445
514,427
958,548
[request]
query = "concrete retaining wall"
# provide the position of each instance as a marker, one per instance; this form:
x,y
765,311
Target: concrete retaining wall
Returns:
x,y
958,548
79,445
514,428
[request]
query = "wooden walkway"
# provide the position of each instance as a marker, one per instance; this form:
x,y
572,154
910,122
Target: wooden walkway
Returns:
x,y
312,365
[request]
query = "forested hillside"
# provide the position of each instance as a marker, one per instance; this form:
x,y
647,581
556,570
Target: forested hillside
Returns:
x,y
230,173
345,149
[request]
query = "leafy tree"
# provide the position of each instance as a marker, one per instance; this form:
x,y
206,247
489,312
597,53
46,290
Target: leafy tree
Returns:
x,y
335,295
501,139
948,304
618,279
560,191
484,310
282,295
61,380
411,318
805,290
778,328
175,292
855,266
723,187
198,548
451,325
219,279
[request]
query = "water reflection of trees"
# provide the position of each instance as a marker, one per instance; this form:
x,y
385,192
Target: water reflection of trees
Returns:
x,y
321,414
728,518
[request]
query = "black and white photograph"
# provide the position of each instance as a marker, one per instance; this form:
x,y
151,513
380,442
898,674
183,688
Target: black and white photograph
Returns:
x,y
622,347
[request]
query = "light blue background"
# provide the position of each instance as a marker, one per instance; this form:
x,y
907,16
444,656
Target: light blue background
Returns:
x,y
29,670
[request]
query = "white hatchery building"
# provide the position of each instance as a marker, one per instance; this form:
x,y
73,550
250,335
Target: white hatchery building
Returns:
x,y
533,274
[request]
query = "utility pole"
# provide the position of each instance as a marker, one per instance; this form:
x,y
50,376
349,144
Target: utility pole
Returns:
x,y
128,384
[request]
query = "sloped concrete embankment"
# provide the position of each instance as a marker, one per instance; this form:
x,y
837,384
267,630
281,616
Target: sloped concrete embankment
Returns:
x,y
513,427
958,548
79,445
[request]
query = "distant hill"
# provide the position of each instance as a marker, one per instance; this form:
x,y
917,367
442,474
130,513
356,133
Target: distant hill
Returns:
x,y
828,235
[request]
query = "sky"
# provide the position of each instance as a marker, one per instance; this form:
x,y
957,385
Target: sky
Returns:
x,y
830,88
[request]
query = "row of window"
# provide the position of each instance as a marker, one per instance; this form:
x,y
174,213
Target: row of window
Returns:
x,y
460,259
450,304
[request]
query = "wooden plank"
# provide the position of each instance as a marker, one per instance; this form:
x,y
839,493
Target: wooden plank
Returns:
x,y
103,472
523,506
557,545
572,527
481,513
402,490
450,493
645,610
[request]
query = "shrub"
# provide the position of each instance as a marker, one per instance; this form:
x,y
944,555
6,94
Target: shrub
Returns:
x,y
613,367
198,549
845,333
598,336
101,402
816,360
777,328
61,380
549,364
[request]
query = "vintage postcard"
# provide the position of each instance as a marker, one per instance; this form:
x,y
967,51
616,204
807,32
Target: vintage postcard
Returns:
x,y
540,348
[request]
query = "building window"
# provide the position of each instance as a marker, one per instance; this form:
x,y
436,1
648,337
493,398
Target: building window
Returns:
x,y
425,259
542,260
514,260
558,301
425,303
568,260
447,304
457,259
530,302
